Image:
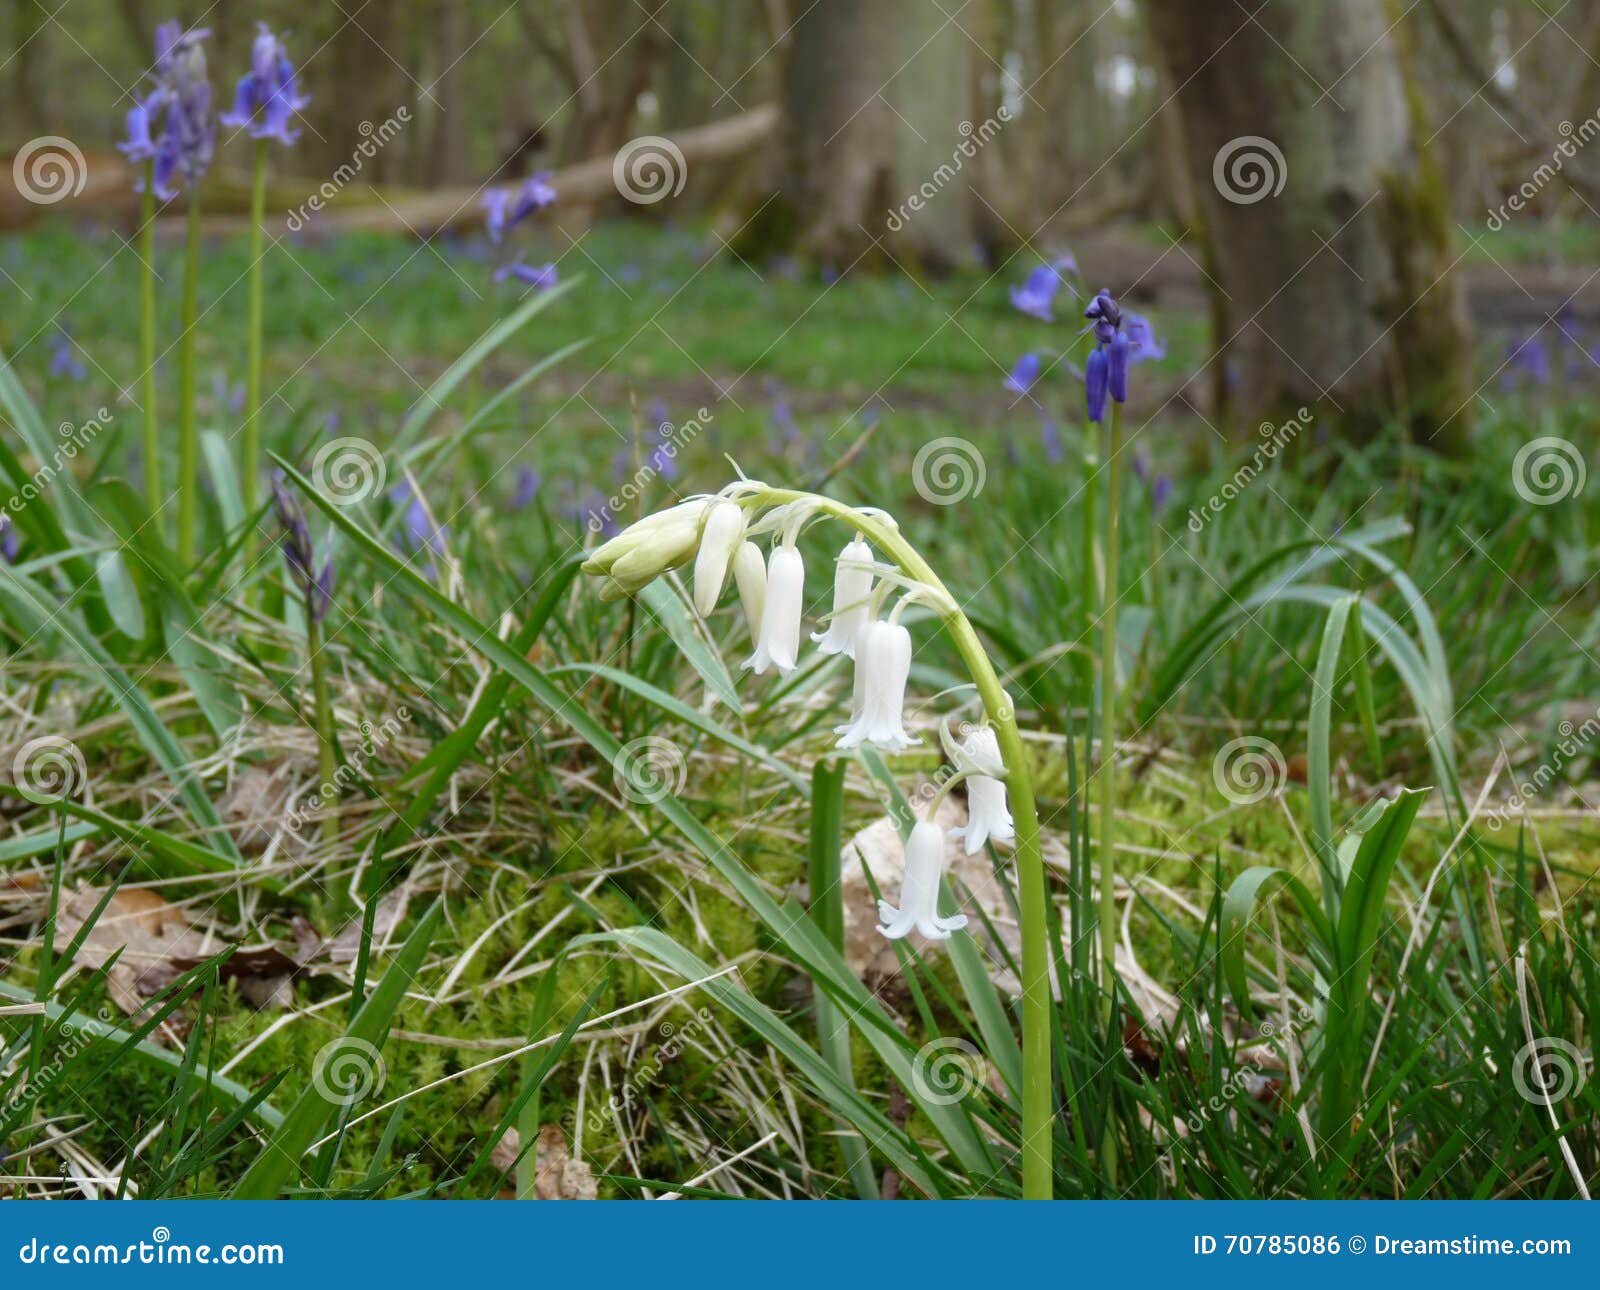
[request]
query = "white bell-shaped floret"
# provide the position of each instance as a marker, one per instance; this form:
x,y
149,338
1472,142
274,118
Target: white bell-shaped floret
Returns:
x,y
778,644
750,576
723,531
852,591
919,890
883,664
988,814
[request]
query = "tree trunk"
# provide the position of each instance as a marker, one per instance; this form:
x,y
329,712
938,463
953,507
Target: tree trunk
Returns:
x,y
448,159
1329,233
875,158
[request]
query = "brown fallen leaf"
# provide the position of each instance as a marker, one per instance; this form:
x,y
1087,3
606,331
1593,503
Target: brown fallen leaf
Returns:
x,y
557,1176
503,1156
152,935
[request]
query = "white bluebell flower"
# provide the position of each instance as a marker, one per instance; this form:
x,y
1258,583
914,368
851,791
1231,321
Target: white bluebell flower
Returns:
x,y
919,890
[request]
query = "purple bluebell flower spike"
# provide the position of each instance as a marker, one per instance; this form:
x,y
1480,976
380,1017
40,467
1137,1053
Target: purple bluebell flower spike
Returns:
x,y
189,140
316,585
1121,340
267,96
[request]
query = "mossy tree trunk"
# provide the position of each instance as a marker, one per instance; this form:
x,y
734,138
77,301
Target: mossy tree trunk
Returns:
x,y
1333,291
877,104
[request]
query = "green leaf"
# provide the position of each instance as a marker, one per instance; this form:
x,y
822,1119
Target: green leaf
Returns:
x,y
827,910
840,1096
41,614
1319,765
188,644
1238,907
673,614
429,404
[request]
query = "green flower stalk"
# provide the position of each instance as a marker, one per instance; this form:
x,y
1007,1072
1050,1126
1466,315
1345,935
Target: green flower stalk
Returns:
x,y
147,347
315,585
673,538
265,101
251,469
188,392
1108,717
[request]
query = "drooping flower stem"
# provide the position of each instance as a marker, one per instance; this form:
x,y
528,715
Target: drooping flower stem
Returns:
x,y
147,346
1106,841
1038,1098
327,745
188,432
251,470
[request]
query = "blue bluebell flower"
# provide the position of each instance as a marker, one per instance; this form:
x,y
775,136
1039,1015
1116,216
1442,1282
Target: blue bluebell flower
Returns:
x,y
1106,372
1050,436
536,193
267,96
1095,379
1160,493
505,208
188,142
1529,357
1143,342
529,481
496,203
665,462
1024,374
541,277
64,360
10,540
1117,369
1037,293
140,145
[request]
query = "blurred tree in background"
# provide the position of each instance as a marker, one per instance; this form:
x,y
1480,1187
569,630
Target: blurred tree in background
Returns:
x,y
921,136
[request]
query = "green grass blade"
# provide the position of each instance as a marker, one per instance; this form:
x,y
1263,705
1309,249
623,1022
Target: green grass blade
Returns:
x,y
278,1162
